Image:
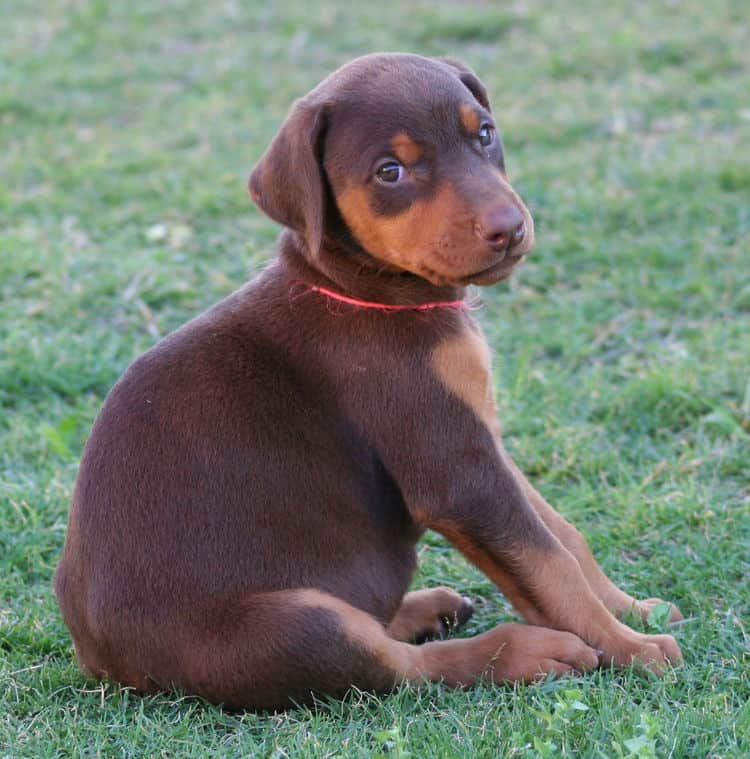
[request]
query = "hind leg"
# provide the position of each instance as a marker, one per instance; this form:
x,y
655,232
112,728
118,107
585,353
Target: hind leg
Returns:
x,y
429,613
272,650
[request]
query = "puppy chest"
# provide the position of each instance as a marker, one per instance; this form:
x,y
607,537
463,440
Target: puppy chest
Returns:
x,y
463,366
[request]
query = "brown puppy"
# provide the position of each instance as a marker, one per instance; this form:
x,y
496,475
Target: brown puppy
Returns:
x,y
246,511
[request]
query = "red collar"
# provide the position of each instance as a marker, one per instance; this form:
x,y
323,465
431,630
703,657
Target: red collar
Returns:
x,y
387,306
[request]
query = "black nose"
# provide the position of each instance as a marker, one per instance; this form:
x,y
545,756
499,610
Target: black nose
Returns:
x,y
501,226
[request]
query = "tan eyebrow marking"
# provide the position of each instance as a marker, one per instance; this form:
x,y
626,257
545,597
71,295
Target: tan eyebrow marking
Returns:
x,y
469,118
405,149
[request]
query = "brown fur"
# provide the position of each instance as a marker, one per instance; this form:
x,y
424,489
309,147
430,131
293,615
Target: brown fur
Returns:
x,y
245,516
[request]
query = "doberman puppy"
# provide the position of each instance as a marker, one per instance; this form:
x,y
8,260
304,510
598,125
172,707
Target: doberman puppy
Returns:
x,y
246,512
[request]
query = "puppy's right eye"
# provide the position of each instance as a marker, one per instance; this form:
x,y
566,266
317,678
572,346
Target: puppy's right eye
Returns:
x,y
486,135
390,172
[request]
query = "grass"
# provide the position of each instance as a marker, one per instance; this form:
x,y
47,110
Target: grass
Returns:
x,y
622,347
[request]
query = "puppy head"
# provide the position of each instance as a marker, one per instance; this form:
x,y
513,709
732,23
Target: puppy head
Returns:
x,y
401,154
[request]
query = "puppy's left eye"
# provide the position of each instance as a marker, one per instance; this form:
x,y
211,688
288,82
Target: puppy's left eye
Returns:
x,y
486,135
390,172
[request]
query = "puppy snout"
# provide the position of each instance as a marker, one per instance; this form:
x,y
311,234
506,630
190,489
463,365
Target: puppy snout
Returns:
x,y
502,227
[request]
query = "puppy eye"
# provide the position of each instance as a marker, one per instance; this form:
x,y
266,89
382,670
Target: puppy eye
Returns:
x,y
390,172
486,135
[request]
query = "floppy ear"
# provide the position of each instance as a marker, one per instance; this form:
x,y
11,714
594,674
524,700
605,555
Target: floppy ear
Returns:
x,y
287,183
470,81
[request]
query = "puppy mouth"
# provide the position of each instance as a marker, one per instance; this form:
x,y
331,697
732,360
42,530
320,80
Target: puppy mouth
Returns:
x,y
503,266
496,272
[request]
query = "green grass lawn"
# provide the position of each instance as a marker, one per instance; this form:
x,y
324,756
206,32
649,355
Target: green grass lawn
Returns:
x,y
127,131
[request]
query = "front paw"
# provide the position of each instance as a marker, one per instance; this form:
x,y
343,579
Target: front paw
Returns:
x,y
655,653
644,608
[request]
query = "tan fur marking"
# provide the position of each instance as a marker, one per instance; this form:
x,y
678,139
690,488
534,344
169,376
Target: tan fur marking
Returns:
x,y
540,586
405,149
405,239
480,558
613,598
434,237
364,630
469,118
505,653
616,600
464,366
421,612
569,603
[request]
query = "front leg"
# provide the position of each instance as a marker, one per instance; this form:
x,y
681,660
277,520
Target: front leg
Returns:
x,y
508,541
455,481
615,599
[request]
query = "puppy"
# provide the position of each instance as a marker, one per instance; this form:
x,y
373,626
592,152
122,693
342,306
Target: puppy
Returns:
x,y
245,517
